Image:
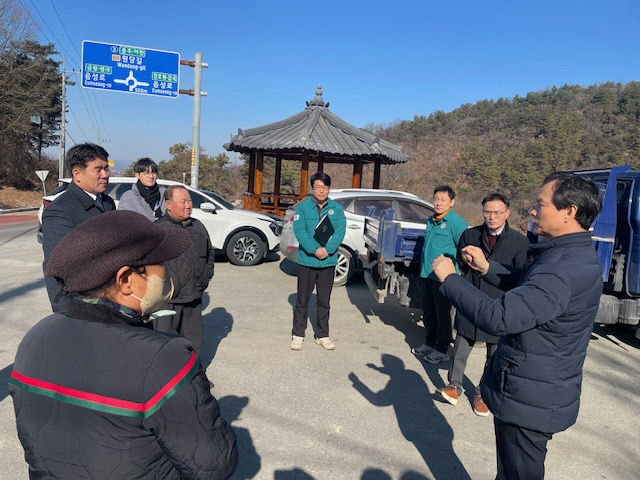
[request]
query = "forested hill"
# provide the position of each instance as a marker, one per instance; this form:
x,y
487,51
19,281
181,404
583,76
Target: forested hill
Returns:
x,y
510,144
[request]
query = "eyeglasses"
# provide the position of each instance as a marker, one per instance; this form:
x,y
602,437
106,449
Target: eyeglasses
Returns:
x,y
495,213
322,188
149,173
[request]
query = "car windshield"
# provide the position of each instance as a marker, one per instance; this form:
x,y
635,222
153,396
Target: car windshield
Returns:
x,y
219,198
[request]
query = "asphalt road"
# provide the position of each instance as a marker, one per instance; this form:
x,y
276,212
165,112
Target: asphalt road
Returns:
x,y
364,411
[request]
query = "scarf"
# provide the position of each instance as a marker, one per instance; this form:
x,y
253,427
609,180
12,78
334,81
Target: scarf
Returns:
x,y
437,218
151,195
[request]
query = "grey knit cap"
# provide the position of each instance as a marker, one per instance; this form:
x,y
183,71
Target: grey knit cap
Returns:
x,y
91,254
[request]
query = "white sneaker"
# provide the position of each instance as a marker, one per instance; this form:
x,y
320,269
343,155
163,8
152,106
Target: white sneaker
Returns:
x,y
296,343
326,343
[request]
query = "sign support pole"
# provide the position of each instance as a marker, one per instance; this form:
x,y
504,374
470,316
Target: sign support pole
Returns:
x,y
197,65
195,149
62,126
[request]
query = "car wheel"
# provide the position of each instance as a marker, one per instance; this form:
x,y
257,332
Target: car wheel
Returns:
x,y
245,249
344,267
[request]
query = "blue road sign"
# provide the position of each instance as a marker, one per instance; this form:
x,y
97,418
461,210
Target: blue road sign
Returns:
x,y
123,68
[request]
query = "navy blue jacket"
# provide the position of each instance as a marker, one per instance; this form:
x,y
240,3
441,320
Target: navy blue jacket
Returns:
x,y
535,377
67,211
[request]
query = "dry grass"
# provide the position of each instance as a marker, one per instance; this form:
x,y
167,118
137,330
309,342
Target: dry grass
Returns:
x,y
13,198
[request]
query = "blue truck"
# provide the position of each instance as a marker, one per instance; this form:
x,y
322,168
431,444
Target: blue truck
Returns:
x,y
393,253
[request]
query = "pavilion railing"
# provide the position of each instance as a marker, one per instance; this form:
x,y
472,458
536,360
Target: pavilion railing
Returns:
x,y
269,202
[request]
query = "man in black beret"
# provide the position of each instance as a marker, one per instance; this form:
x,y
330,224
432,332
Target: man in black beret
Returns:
x,y
83,199
99,395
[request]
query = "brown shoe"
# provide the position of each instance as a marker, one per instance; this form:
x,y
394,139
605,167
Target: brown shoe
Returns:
x,y
479,407
449,393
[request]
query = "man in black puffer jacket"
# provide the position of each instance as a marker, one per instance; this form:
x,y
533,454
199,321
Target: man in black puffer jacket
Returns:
x,y
190,272
533,381
96,393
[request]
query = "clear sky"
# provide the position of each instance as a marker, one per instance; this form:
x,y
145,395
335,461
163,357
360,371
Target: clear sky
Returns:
x,y
377,61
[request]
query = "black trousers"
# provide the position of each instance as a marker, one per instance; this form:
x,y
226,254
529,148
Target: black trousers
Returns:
x,y
436,316
322,280
187,322
520,451
462,347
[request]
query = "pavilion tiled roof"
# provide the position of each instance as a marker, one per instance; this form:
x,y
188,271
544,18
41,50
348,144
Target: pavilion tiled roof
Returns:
x,y
317,131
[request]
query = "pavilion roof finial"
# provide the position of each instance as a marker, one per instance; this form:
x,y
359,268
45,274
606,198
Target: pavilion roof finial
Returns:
x,y
318,101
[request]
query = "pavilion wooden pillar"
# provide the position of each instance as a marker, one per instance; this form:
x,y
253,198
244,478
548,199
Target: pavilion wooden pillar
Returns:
x,y
276,185
259,169
356,181
320,165
276,180
376,174
304,175
252,172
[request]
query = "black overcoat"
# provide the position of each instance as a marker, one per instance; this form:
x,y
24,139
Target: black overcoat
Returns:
x,y
510,250
66,212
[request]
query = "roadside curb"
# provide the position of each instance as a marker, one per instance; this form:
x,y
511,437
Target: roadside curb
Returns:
x,y
19,210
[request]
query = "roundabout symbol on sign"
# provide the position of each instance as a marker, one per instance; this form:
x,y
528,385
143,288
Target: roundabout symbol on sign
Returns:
x,y
131,78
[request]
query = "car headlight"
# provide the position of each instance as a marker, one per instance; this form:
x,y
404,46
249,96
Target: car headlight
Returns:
x,y
276,227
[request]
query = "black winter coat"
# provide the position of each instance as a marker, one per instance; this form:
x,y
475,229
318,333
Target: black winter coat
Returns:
x,y
97,397
67,211
535,377
510,249
191,271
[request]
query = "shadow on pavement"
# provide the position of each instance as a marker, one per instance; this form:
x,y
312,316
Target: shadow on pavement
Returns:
x,y
216,325
379,474
288,267
368,474
21,290
269,258
618,335
391,313
5,374
293,474
419,419
249,463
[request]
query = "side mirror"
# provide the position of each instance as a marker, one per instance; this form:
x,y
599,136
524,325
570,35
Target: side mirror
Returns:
x,y
208,207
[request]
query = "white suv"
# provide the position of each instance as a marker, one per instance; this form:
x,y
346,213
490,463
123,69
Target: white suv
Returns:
x,y
410,209
245,236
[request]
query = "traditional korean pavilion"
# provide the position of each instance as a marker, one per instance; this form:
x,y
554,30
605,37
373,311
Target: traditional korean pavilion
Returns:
x,y
314,135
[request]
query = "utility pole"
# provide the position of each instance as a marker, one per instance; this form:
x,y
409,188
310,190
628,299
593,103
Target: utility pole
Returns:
x,y
197,65
62,125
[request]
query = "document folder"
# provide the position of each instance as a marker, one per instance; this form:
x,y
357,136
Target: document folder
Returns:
x,y
323,231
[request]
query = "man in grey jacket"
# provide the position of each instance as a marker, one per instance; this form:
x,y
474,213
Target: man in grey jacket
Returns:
x,y
146,197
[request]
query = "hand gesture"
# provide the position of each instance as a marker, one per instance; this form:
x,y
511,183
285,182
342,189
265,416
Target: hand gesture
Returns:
x,y
474,257
443,267
321,253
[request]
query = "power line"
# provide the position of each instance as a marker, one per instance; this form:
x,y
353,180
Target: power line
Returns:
x,y
70,136
82,132
44,21
90,111
93,94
